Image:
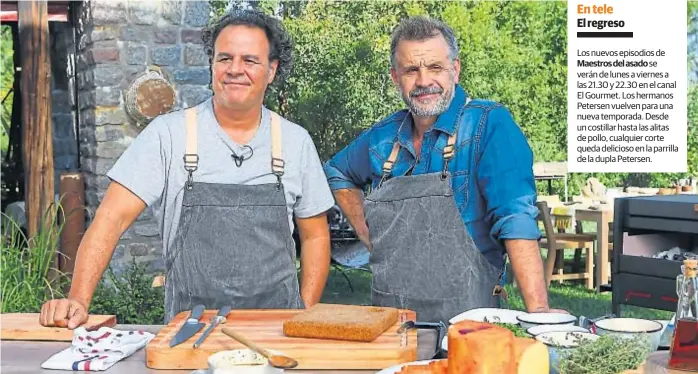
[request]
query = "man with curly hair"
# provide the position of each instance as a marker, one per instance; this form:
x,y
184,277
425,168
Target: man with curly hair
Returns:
x,y
225,179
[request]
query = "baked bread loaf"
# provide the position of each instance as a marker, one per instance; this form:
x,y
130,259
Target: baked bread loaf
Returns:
x,y
433,367
480,348
341,322
483,348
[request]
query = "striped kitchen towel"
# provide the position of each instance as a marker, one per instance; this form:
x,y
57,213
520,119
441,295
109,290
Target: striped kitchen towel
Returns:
x,y
563,217
97,350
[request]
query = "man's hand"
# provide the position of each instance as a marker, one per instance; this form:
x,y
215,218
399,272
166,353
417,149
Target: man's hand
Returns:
x,y
63,313
117,211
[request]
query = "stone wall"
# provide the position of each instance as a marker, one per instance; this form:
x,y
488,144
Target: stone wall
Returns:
x,y
117,40
65,143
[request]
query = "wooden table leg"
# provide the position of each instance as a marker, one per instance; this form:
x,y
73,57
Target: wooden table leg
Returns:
x,y
601,264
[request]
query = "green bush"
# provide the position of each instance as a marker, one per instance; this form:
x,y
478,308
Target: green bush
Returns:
x,y
27,276
130,297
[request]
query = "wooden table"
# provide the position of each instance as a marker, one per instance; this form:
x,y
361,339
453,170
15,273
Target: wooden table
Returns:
x,y
27,356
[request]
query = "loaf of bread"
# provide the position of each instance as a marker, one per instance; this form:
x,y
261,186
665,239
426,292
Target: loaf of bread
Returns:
x,y
341,322
433,367
480,348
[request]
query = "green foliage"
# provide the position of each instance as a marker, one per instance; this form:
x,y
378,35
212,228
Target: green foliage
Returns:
x,y
130,297
6,82
514,52
27,276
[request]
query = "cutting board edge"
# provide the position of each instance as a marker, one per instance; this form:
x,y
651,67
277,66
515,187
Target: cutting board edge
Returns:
x,y
40,334
407,355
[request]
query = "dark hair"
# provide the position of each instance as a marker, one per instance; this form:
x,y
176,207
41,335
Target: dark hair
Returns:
x,y
280,43
423,28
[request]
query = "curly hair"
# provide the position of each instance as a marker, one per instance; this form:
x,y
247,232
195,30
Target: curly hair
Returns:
x,y
280,43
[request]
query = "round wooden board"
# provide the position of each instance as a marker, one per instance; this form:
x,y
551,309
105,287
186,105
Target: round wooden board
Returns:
x,y
656,363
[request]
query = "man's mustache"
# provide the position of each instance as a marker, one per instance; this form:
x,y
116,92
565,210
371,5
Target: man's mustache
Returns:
x,y
425,91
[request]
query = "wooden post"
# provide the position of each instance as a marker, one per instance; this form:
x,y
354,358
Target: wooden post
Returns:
x,y
36,113
72,192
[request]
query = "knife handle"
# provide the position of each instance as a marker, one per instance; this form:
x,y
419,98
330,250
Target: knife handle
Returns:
x,y
224,311
196,313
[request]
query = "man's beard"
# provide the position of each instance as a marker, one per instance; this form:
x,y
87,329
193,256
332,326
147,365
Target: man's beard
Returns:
x,y
441,105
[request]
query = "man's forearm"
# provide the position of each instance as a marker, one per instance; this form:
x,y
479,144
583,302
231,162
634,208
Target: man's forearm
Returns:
x,y
351,202
315,266
527,265
93,257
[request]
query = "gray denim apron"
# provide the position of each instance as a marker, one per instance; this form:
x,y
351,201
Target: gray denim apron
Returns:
x,y
423,257
233,245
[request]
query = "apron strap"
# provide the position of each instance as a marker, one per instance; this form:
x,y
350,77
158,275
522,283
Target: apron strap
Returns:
x,y
449,149
277,162
448,152
191,158
388,164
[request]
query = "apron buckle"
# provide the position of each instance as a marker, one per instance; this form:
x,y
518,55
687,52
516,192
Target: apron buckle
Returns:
x,y
500,291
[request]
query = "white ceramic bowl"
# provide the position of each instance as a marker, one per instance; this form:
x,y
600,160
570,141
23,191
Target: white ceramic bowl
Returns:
x,y
561,342
240,361
540,329
529,320
630,327
490,315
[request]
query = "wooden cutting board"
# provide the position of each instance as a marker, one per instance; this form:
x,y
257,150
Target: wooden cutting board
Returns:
x,y
265,327
26,326
657,363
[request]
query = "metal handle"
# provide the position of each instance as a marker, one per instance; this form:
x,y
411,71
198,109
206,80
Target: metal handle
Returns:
x,y
440,328
205,334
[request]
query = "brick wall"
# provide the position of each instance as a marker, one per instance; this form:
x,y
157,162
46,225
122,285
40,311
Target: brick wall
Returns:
x,y
116,42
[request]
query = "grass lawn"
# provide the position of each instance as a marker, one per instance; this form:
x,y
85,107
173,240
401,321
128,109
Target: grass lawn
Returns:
x,y
574,298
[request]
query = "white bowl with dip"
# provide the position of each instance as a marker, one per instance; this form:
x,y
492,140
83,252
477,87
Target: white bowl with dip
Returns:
x,y
540,329
529,320
631,327
240,361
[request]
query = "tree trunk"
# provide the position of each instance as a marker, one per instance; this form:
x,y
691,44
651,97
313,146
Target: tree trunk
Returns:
x,y
36,113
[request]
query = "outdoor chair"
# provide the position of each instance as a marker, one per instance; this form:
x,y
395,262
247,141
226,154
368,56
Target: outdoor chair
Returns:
x,y
557,241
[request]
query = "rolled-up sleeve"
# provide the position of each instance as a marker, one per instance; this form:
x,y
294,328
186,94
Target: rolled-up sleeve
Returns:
x,y
350,167
505,177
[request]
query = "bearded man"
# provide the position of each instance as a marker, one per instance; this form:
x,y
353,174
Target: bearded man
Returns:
x,y
450,188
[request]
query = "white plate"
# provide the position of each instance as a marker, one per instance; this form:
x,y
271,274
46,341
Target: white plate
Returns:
x,y
492,314
396,368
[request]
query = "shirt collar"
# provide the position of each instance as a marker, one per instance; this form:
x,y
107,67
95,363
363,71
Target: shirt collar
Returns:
x,y
445,122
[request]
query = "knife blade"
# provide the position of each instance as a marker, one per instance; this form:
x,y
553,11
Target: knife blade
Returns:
x,y
190,327
219,318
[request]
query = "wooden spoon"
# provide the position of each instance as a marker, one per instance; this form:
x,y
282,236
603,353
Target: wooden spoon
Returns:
x,y
277,361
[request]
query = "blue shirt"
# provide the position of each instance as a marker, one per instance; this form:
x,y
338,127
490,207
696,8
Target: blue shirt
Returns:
x,y
492,169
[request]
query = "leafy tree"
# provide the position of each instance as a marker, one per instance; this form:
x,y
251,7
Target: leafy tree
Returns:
x,y
514,52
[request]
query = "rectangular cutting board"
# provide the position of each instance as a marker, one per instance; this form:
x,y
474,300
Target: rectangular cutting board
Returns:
x,y
26,326
265,327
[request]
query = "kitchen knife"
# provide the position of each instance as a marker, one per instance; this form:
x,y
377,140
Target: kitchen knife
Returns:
x,y
219,318
190,327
